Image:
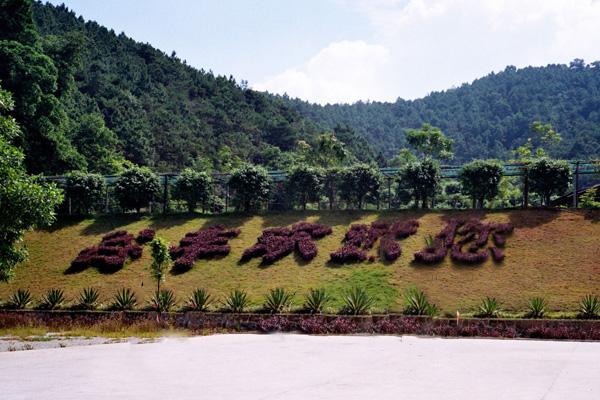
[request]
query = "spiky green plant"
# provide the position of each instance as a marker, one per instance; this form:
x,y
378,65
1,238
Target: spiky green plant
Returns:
x,y
163,300
200,300
429,240
416,303
53,299
315,301
278,300
537,307
124,300
20,299
236,301
589,307
488,308
357,301
88,298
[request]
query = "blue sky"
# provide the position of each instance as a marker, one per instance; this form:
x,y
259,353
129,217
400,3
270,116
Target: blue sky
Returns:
x,y
348,50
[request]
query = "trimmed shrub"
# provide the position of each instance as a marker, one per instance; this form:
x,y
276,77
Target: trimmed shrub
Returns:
x,y
193,187
85,191
421,178
480,179
358,183
202,244
110,255
145,236
548,177
250,185
136,188
304,184
276,243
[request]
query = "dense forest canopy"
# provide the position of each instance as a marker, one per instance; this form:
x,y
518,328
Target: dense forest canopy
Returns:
x,y
489,117
116,100
90,99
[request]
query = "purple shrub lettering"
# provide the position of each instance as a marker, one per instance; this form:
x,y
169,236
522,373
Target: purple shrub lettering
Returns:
x,y
145,236
202,244
110,255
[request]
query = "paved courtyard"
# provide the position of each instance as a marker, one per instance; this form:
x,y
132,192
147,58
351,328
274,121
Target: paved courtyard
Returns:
x,y
279,366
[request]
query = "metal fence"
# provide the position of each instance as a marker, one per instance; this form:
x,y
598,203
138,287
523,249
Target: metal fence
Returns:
x,y
221,191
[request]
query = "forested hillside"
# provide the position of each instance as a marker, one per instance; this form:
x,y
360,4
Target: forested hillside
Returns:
x,y
106,98
489,117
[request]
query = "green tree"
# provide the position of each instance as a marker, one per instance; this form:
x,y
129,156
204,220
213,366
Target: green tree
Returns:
x,y
537,146
136,188
32,77
250,185
429,141
331,181
480,179
359,182
26,202
96,143
85,191
193,187
421,178
161,260
304,184
548,177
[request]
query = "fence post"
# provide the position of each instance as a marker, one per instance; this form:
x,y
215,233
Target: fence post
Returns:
x,y
525,189
165,194
106,204
226,197
69,205
576,186
389,182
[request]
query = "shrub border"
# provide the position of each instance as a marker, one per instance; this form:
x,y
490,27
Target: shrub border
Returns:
x,y
395,324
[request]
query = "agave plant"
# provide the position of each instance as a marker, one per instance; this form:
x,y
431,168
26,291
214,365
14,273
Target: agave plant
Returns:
x,y
20,299
429,240
589,307
236,301
416,303
537,307
200,300
489,308
163,300
53,299
278,300
357,301
124,300
315,301
88,298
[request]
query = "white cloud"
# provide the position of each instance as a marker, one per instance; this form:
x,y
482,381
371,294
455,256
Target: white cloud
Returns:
x,y
425,45
341,72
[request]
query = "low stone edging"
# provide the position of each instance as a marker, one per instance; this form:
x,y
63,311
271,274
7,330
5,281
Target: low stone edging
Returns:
x,y
317,324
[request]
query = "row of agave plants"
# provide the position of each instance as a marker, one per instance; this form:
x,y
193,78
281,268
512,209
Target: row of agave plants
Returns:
x,y
356,301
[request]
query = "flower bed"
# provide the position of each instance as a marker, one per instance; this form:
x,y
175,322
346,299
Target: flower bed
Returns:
x,y
112,253
202,244
471,240
276,243
361,238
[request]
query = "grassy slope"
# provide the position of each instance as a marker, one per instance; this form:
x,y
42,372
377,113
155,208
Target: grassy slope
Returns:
x,y
552,254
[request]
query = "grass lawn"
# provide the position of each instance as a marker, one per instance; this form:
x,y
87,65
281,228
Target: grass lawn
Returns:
x,y
554,254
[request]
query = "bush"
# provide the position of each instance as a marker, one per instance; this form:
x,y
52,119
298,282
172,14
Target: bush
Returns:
x,y
421,178
20,299
358,183
357,301
202,244
480,179
136,188
193,187
315,301
88,298
200,300
53,299
250,185
537,307
278,300
85,191
589,307
304,184
548,177
124,299
163,301
236,301
416,303
489,308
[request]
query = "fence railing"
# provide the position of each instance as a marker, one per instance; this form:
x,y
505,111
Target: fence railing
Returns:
x,y
221,189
